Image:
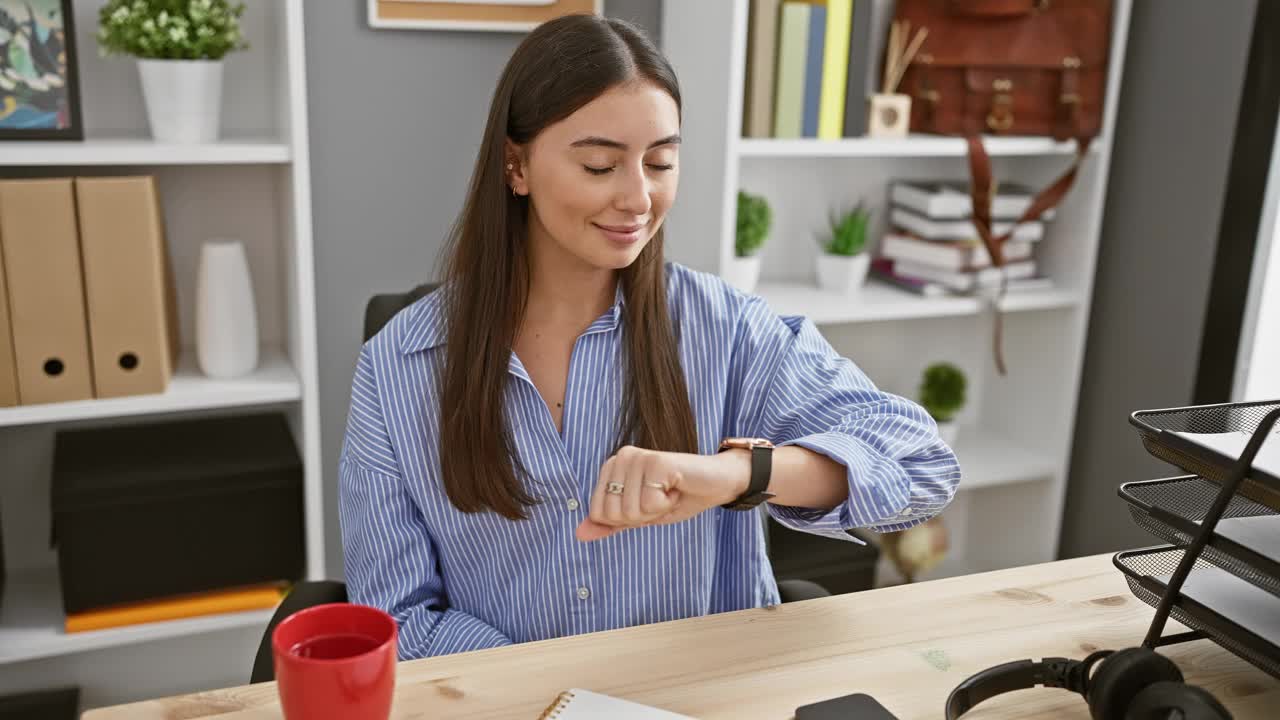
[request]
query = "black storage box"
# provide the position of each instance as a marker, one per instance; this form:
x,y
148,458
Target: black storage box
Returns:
x,y
144,512
840,566
58,704
1,556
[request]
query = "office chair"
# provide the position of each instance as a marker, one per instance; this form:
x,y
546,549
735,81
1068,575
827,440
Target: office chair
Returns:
x,y
378,311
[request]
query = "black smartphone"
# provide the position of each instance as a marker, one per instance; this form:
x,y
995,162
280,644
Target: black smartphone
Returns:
x,y
858,706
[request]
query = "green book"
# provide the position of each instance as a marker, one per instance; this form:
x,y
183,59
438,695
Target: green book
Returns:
x,y
793,47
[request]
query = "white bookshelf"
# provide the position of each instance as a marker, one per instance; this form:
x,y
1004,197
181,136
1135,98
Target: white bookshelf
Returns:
x,y
1015,436
252,185
910,146
879,301
275,381
141,151
31,623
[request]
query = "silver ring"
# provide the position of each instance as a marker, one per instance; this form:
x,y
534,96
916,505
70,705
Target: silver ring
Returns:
x,y
614,488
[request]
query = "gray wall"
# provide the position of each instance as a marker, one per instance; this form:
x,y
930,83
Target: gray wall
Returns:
x,y
1174,129
396,118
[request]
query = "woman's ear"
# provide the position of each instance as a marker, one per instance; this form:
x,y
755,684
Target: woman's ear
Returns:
x,y
515,165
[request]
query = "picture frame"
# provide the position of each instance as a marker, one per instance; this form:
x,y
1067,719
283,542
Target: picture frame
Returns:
x,y
39,74
473,15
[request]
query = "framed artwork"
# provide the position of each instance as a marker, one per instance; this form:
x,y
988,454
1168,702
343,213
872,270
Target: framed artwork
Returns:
x,y
494,15
39,90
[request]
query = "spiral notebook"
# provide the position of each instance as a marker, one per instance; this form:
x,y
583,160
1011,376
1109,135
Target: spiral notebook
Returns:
x,y
578,704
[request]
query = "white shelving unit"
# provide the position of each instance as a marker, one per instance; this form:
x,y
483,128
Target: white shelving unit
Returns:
x,y
32,619
910,146
1016,430
253,185
881,301
141,151
275,381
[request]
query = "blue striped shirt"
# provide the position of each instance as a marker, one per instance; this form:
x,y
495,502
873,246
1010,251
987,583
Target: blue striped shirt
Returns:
x,y
463,581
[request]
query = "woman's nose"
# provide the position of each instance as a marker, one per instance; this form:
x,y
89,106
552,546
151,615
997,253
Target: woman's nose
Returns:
x,y
633,194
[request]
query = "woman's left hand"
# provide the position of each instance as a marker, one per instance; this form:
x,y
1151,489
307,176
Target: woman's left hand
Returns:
x,y
660,488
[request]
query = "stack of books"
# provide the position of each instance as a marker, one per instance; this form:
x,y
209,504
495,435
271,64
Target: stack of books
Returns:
x,y
932,247
810,67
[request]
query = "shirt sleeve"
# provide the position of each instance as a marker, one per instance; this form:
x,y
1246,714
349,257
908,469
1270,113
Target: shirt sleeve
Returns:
x,y
390,559
900,472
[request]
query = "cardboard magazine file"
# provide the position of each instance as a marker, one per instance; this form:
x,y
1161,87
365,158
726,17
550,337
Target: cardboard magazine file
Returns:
x,y
8,373
128,285
46,295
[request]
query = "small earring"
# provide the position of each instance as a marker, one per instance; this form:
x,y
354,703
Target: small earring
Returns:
x,y
510,166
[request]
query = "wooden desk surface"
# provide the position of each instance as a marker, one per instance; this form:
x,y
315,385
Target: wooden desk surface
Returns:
x,y
907,646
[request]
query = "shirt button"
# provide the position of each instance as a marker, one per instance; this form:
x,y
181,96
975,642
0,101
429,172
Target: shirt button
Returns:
x,y
572,504
583,593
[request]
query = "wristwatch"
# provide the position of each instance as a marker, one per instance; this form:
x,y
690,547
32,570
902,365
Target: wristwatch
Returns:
x,y
761,468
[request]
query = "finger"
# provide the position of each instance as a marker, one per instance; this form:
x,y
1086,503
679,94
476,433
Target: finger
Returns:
x,y
636,469
655,500
680,510
589,530
612,511
596,511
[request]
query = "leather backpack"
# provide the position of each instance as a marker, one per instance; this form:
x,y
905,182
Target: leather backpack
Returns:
x,y
1008,67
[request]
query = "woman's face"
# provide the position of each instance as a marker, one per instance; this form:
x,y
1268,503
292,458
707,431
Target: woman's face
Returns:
x,y
600,181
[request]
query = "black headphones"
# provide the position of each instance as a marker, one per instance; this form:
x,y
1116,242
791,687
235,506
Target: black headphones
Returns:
x,y
1131,684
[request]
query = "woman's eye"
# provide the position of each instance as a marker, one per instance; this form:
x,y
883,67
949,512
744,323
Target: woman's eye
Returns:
x,y
596,170
666,167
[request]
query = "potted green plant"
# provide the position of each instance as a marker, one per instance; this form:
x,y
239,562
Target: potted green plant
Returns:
x,y
844,260
179,45
942,394
755,218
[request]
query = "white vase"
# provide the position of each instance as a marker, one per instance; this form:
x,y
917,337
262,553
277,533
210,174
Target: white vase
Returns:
x,y
743,273
949,431
226,316
842,274
184,99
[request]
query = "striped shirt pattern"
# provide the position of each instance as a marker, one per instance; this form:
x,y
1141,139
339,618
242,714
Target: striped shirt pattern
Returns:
x,y
459,581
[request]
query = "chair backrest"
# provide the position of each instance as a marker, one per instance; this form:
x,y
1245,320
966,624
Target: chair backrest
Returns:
x,y
381,308
378,311
302,596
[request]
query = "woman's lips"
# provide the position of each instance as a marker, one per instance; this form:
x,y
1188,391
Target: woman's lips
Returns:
x,y
621,234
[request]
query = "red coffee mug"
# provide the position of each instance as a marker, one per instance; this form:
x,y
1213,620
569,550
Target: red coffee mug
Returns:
x,y
336,662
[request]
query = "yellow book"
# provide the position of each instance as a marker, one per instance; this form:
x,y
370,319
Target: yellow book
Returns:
x,y
835,68
211,603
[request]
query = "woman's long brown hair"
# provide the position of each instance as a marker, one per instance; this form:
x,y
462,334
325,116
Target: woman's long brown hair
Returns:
x,y
559,67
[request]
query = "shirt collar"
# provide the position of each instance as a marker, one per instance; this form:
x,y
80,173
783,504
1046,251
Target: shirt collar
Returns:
x,y
424,326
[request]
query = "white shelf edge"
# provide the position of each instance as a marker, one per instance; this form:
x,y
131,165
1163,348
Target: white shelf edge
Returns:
x,y
31,623
989,460
879,301
273,382
143,151
910,146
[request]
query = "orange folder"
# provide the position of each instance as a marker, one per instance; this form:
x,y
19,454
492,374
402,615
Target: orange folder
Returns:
x,y
259,597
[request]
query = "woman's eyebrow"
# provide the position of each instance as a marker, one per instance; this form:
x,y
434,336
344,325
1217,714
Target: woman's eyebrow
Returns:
x,y
597,141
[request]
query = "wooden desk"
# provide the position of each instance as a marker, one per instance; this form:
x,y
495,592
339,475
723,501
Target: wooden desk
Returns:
x,y
907,646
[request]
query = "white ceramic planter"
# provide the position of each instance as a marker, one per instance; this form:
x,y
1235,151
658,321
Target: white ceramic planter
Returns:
x,y
226,316
184,99
949,431
843,274
743,273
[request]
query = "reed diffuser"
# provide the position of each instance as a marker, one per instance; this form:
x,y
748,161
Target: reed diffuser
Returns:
x,y
889,111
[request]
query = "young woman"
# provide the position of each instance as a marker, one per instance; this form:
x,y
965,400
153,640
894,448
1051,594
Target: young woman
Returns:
x,y
559,439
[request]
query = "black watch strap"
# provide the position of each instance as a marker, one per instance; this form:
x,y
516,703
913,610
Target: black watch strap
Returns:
x,y
757,489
